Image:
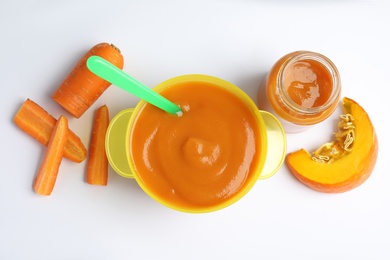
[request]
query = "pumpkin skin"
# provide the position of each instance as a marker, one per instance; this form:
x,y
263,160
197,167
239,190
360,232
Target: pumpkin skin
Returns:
x,y
351,169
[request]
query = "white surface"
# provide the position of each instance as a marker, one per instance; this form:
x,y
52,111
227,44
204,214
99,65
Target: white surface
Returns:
x,y
237,40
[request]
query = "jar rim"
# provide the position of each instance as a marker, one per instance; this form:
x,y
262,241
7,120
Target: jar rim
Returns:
x,y
328,65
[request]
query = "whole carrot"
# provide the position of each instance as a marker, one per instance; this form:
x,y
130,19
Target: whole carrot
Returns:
x,y
37,122
97,170
81,88
48,170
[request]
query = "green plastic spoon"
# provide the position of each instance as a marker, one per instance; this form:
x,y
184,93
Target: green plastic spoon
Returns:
x,y
118,77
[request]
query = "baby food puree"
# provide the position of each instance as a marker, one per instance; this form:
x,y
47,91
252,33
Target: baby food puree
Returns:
x,y
302,88
308,83
202,158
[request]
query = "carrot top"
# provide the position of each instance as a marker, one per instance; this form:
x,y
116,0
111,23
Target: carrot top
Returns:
x,y
81,88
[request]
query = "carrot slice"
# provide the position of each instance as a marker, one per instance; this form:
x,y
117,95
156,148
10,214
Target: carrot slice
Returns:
x,y
97,170
48,171
81,88
38,123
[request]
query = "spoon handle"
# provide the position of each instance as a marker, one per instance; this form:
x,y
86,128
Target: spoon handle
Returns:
x,y
118,77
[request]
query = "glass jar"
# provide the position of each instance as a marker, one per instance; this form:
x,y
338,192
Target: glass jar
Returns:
x,y
302,89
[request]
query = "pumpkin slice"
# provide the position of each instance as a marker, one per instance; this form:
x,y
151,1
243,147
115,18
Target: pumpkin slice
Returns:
x,y
346,162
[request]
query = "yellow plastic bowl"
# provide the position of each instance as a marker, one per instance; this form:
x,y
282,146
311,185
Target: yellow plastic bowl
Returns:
x,y
272,134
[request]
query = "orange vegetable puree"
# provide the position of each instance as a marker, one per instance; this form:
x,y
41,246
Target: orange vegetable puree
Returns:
x,y
202,158
308,83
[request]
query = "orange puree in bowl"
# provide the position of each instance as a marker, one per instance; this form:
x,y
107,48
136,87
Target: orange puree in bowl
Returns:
x,y
202,158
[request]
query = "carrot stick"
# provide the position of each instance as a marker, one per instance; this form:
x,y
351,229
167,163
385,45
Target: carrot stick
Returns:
x,y
97,170
48,171
38,123
81,88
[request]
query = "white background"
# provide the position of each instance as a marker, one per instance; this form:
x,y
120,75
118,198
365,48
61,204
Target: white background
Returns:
x,y
237,40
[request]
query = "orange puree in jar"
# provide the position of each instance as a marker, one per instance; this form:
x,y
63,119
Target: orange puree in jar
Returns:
x,y
307,83
303,88
202,158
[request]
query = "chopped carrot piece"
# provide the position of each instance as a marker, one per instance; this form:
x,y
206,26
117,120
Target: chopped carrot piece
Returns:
x,y
81,88
38,123
97,170
48,171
